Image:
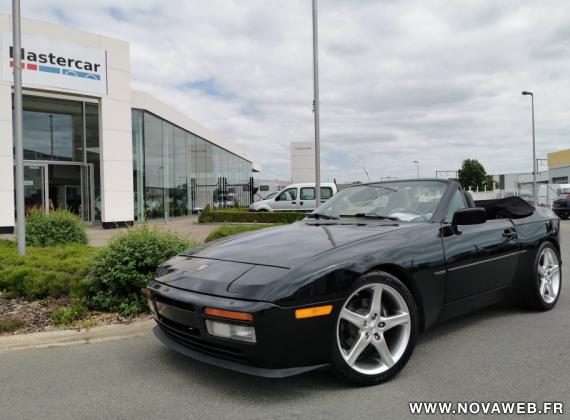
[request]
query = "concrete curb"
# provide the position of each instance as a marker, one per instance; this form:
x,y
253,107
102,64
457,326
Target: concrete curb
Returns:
x,y
71,337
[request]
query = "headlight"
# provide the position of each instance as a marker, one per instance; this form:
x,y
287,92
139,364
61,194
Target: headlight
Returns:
x,y
232,331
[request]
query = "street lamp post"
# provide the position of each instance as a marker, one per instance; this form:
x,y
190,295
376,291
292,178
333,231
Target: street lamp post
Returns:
x,y
316,106
417,162
524,92
18,142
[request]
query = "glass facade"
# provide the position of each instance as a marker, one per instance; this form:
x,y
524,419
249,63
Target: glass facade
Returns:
x,y
177,172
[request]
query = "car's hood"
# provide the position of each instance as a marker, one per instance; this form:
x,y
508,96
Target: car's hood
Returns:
x,y
262,255
288,246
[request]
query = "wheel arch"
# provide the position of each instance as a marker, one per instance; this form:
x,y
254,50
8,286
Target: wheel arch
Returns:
x,y
405,277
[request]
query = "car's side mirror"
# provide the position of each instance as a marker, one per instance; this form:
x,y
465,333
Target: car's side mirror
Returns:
x,y
472,216
277,197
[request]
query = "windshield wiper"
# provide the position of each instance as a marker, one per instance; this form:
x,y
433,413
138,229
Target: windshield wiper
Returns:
x,y
375,216
322,216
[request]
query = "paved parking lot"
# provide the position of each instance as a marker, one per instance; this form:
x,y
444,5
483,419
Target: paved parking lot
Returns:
x,y
499,354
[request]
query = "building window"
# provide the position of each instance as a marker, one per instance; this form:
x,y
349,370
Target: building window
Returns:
x,y
52,129
138,164
153,167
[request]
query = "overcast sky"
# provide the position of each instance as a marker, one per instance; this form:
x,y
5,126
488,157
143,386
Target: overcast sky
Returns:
x,y
434,81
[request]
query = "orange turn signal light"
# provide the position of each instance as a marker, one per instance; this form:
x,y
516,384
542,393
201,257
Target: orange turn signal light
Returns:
x,y
221,313
312,312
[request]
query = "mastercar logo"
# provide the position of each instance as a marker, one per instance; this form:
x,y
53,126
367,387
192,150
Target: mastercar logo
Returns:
x,y
56,64
52,63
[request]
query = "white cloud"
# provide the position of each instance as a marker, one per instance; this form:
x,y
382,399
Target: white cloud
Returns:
x,y
434,81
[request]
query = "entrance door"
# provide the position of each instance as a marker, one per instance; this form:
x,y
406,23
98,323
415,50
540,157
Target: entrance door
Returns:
x,y
71,188
35,188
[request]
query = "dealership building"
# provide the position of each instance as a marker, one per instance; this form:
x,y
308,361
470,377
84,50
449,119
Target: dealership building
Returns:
x,y
92,145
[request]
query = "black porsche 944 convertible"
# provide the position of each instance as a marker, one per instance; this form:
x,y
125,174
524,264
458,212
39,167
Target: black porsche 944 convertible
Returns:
x,y
353,284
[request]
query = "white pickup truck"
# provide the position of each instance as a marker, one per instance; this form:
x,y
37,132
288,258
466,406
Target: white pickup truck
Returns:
x,y
296,197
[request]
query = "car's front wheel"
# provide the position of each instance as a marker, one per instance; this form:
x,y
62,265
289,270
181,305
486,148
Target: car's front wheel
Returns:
x,y
376,330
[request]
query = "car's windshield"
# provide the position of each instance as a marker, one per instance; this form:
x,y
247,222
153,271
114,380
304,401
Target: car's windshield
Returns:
x,y
398,200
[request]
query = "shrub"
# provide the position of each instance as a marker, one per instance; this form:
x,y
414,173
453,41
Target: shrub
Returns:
x,y
57,227
42,272
230,230
65,315
119,272
10,324
231,216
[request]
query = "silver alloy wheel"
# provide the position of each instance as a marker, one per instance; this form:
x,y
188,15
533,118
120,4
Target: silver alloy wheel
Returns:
x,y
548,275
373,328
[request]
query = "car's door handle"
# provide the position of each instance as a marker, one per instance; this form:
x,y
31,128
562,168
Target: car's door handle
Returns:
x,y
510,234
300,202
293,202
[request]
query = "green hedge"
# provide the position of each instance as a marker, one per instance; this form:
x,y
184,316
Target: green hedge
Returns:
x,y
55,228
229,216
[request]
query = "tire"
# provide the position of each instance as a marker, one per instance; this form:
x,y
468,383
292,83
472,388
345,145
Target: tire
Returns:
x,y
564,216
373,352
545,285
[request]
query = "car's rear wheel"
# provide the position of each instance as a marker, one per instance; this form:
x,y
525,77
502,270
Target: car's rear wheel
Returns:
x,y
546,284
376,330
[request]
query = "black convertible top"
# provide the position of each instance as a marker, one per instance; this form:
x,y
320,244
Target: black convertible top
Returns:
x,y
508,207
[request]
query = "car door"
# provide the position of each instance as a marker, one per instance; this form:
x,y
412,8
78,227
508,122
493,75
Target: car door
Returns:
x,y
478,257
286,200
306,199
326,193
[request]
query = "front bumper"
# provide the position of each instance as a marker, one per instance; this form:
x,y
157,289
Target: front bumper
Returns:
x,y
231,365
285,346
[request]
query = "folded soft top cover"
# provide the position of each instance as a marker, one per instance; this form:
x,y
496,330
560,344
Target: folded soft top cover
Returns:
x,y
508,207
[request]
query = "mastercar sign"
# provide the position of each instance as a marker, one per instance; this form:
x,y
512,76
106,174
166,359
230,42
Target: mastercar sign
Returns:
x,y
56,64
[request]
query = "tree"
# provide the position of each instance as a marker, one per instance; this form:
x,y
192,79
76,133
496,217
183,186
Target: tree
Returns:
x,y
491,183
472,174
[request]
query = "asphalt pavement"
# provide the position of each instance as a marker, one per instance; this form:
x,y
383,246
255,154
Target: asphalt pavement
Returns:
x,y
498,354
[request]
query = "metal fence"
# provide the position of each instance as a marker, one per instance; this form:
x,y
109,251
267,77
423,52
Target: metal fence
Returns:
x,y
222,194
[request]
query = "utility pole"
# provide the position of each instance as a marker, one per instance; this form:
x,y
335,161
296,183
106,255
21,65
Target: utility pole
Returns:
x,y
316,106
18,142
